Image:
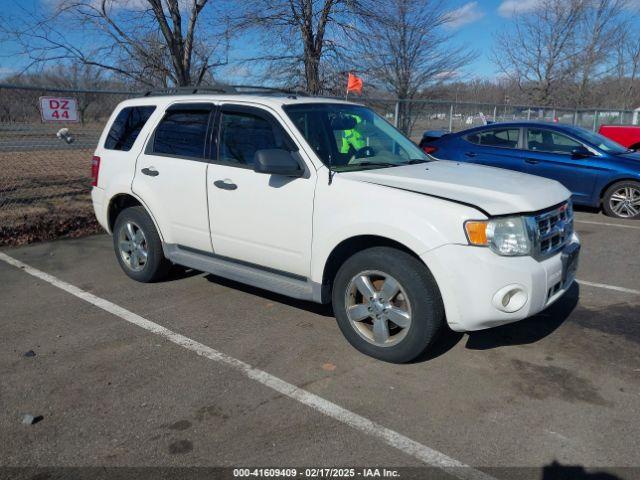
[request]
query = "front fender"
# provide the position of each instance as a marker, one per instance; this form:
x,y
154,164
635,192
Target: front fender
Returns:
x,y
348,209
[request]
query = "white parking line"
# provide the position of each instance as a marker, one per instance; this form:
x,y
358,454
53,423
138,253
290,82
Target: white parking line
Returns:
x,y
392,438
609,287
589,222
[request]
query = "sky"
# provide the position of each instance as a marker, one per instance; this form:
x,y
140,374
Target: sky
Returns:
x,y
474,24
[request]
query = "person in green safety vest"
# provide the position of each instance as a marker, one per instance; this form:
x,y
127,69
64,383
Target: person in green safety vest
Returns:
x,y
352,139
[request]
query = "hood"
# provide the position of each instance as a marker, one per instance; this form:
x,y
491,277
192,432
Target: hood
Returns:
x,y
493,190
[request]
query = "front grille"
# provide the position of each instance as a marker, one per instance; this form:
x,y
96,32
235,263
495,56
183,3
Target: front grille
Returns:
x,y
553,230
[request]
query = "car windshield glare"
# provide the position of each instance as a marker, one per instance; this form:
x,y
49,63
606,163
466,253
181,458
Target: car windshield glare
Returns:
x,y
351,137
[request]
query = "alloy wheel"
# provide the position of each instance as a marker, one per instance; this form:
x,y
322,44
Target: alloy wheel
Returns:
x,y
132,245
625,202
378,308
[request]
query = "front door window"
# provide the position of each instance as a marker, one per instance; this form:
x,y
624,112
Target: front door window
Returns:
x,y
541,140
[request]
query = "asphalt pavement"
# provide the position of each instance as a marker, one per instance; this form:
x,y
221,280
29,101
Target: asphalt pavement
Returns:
x,y
559,389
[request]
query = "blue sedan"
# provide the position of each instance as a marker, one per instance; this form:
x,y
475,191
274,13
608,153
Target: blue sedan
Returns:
x,y
598,171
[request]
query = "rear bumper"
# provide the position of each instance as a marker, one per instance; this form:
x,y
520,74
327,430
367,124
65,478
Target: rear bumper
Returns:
x,y
472,281
99,207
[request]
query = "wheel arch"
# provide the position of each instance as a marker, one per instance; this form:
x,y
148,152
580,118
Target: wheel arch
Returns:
x,y
121,201
347,248
613,182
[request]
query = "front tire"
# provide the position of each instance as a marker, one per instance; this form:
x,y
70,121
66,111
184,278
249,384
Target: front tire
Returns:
x,y
138,246
387,304
622,200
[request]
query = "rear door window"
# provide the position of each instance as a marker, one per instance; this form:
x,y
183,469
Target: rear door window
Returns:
x,y
504,137
126,127
183,131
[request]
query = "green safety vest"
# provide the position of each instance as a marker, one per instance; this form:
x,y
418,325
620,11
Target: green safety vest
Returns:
x,y
352,138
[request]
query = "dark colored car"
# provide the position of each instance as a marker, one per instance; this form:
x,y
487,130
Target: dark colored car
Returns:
x,y
598,171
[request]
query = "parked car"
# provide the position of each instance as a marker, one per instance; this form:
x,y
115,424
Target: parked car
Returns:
x,y
325,201
598,171
626,135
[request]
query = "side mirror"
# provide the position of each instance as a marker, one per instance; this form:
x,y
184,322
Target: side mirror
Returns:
x,y
276,161
581,152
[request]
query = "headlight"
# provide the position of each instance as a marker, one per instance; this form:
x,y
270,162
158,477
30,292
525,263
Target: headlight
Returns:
x,y
507,236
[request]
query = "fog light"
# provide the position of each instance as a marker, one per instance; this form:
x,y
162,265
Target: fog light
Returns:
x,y
510,298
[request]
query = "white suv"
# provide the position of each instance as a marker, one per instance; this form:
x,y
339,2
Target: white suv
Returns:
x,y
323,200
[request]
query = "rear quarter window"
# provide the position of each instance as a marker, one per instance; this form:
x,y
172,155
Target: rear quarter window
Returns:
x,y
126,127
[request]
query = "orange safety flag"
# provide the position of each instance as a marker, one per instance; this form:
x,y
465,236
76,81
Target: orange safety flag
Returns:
x,y
354,84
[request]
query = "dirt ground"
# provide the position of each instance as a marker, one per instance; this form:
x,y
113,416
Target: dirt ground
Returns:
x,y
44,194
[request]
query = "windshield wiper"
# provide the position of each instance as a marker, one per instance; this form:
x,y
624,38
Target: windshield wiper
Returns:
x,y
415,161
375,164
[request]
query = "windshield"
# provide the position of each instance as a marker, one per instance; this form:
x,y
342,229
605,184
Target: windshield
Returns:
x,y
597,140
351,137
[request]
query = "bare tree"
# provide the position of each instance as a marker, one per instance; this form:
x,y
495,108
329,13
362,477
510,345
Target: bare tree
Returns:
x,y
405,46
601,29
489,91
540,53
299,35
626,83
148,41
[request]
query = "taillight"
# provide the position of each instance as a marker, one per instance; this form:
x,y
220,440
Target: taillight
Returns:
x,y
95,170
430,149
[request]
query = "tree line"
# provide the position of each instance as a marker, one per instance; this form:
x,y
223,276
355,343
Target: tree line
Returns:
x,y
564,53
574,53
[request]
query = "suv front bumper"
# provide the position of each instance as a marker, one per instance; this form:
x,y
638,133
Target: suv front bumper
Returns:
x,y
473,280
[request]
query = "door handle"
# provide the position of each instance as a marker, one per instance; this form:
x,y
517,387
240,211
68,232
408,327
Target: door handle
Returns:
x,y
471,154
531,161
225,184
151,171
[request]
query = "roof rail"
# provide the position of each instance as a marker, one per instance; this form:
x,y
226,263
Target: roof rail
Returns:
x,y
191,90
260,89
224,89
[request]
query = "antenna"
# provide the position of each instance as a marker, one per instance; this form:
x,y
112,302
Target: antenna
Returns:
x,y
331,171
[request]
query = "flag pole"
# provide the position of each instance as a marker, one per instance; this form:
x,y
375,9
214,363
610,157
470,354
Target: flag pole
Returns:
x,y
347,95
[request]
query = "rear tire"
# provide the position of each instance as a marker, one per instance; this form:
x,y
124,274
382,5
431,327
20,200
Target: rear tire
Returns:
x,y
622,200
138,246
387,304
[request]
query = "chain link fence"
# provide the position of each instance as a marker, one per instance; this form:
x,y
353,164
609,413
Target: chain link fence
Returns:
x,y
45,177
416,117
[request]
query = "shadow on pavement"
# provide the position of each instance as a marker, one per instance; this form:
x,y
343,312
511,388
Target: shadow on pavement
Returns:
x,y
529,330
178,272
318,309
522,332
583,208
445,342
557,471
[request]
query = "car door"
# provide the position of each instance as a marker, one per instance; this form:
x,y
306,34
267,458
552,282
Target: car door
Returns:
x,y
496,147
261,219
171,175
549,154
